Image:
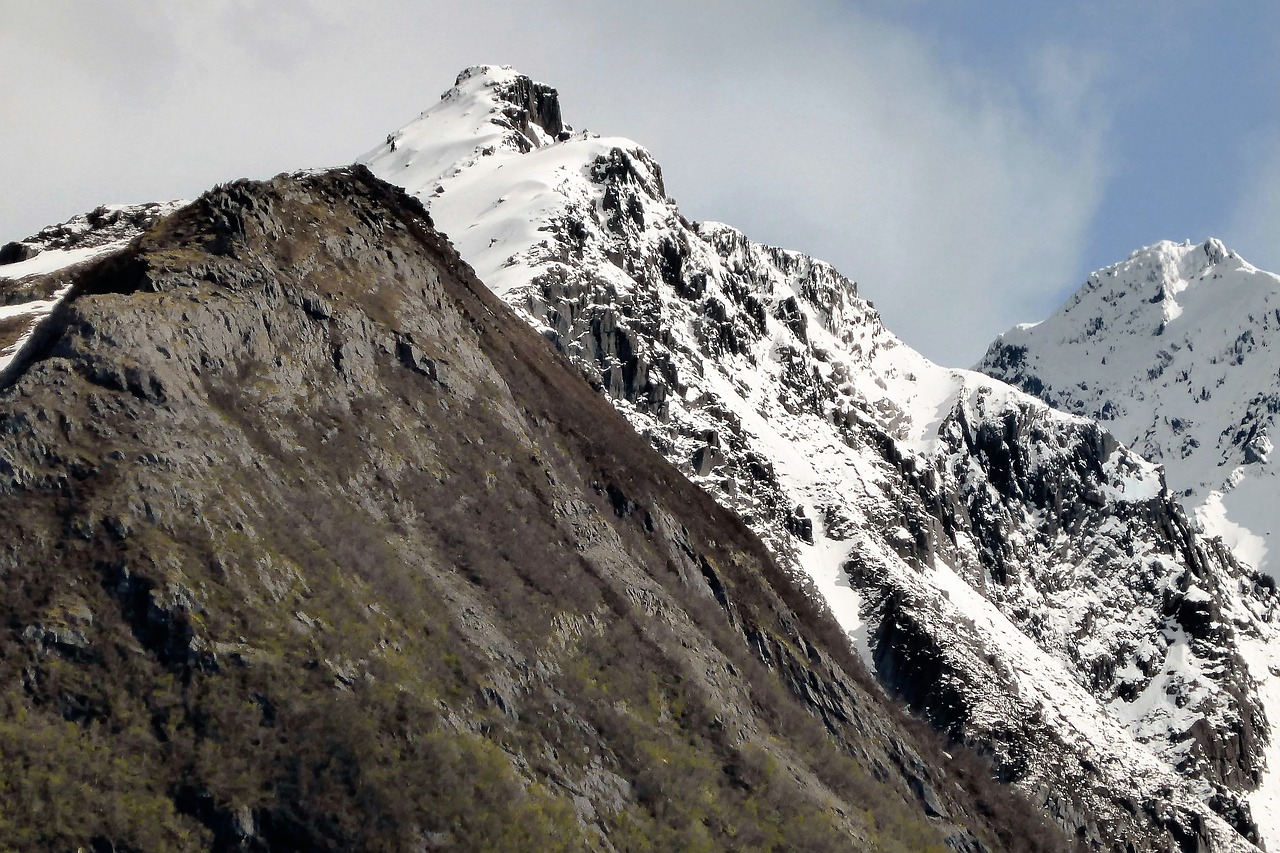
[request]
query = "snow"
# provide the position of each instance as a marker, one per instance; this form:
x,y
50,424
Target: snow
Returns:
x,y
1151,715
34,311
431,157
1263,660
1250,547
1172,351
531,214
53,260
824,562
1060,693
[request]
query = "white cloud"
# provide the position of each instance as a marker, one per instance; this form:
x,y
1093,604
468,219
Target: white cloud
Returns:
x,y
958,200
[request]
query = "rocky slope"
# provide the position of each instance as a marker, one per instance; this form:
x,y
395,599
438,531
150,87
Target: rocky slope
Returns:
x,y
312,545
1013,573
35,273
1172,351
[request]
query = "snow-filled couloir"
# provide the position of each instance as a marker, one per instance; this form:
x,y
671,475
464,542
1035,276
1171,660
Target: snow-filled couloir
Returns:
x,y
1012,572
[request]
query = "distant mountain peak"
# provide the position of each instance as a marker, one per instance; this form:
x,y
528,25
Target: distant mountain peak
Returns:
x,y
1214,250
1172,349
1146,294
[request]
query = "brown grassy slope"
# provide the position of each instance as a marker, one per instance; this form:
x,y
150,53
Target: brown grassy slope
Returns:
x,y
312,545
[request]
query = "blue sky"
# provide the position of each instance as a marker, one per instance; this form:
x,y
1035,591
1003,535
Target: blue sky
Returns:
x,y
1187,92
969,163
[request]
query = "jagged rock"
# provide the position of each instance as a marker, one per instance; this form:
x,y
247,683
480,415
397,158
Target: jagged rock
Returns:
x,y
11,253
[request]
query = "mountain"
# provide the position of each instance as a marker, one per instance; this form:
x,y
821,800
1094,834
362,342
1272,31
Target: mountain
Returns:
x,y
1173,350
311,544
1013,573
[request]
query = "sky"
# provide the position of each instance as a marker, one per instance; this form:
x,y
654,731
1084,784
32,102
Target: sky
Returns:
x,y
968,163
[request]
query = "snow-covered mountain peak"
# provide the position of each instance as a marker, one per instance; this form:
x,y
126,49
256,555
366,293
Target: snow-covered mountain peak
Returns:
x,y
1161,275
1213,250
490,109
498,127
1173,349
1010,570
534,106
483,76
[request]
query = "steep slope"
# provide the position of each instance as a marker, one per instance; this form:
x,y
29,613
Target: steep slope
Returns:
x,y
1010,571
312,545
1172,350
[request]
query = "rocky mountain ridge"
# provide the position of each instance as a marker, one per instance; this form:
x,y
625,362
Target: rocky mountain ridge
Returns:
x,y
1015,574
312,545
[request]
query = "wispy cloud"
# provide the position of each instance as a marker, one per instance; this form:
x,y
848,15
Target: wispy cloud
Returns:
x,y
958,197
959,200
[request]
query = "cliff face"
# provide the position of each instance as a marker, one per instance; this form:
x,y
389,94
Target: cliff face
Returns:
x,y
311,544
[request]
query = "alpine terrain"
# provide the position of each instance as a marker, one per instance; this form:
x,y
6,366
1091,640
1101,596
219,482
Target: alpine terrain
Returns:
x,y
1011,571
312,545
1172,350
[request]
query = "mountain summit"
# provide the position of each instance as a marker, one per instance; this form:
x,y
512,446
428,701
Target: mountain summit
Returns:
x,y
1174,350
1013,573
